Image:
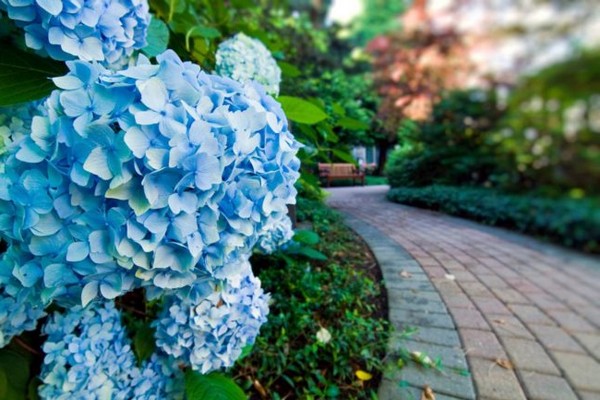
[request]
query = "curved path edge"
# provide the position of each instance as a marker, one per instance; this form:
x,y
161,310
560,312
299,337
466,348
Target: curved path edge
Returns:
x,y
526,312
414,302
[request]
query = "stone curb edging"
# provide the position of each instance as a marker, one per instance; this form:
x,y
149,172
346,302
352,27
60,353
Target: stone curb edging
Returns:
x,y
413,301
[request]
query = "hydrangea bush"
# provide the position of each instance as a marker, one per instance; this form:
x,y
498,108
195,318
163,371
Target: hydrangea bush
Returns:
x,y
91,30
245,59
161,177
153,177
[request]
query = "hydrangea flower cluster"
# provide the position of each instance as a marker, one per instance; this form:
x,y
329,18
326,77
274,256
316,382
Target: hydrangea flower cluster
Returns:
x,y
244,59
88,356
276,234
209,332
159,378
21,303
157,176
15,123
91,30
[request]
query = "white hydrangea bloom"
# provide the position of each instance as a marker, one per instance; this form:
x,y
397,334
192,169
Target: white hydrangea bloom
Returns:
x,y
244,59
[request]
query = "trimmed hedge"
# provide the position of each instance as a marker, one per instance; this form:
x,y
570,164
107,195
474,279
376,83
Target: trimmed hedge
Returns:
x,y
573,223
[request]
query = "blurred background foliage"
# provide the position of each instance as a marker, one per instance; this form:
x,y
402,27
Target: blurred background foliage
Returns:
x,y
503,98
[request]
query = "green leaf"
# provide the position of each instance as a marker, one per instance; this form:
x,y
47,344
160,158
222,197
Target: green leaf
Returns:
x,y
201,31
15,367
352,124
307,237
143,342
311,253
243,4
25,76
301,111
289,70
32,389
246,350
3,385
213,386
333,391
158,38
344,156
338,109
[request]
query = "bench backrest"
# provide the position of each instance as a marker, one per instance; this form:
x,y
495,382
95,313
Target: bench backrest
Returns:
x,y
337,169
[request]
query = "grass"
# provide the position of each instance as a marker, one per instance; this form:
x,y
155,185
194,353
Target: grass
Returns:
x,y
376,180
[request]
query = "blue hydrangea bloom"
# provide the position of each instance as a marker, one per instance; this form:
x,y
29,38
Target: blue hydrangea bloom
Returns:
x,y
159,378
209,332
88,356
276,233
156,176
15,123
21,301
244,59
91,30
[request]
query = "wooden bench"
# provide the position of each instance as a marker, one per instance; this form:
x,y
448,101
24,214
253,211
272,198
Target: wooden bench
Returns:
x,y
338,171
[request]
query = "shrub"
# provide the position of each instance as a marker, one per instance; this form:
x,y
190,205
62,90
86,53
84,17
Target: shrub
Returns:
x,y
292,357
571,222
452,148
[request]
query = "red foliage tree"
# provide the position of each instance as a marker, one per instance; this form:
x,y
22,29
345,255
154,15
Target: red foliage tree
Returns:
x,y
412,68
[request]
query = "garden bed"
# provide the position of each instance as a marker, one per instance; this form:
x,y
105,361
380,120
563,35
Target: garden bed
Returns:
x,y
570,222
341,295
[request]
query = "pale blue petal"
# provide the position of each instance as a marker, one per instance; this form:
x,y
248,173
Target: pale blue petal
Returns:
x,y
91,49
186,202
97,164
154,94
28,274
77,251
53,7
147,117
89,293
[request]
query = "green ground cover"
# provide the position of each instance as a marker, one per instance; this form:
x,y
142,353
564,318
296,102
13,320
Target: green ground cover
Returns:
x,y
339,293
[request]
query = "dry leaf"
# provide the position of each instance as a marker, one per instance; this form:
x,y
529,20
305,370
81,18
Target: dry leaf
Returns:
x,y
260,389
504,363
499,321
427,393
450,277
405,274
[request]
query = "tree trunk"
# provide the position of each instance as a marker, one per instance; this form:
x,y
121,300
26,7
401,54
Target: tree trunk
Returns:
x,y
384,146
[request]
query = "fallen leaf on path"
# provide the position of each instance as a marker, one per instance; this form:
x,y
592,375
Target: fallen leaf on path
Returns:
x,y
427,393
504,363
450,277
421,358
405,274
499,321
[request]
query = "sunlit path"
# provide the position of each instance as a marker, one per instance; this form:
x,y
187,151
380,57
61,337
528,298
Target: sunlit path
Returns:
x,y
510,297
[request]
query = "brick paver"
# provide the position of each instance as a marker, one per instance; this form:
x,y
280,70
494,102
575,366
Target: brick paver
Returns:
x,y
507,296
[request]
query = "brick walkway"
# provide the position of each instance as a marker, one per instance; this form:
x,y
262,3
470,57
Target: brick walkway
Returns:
x,y
510,297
